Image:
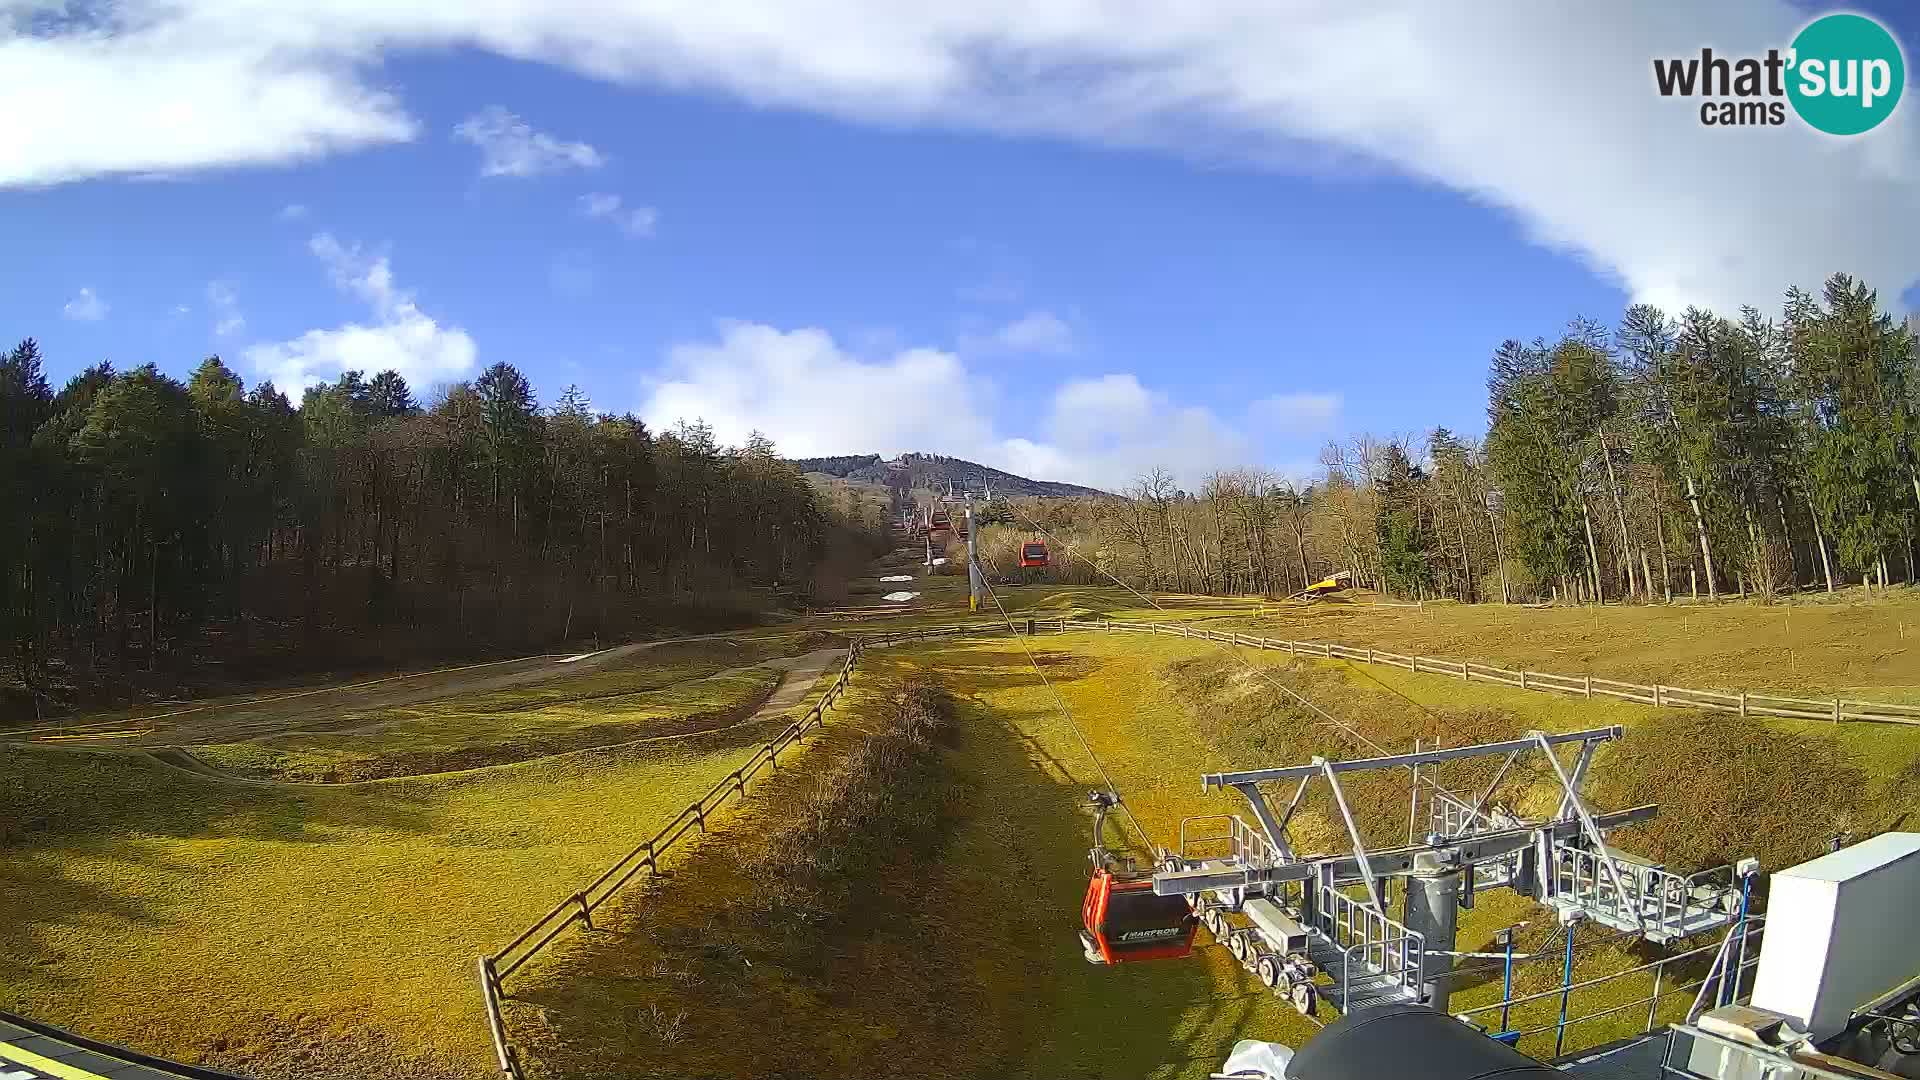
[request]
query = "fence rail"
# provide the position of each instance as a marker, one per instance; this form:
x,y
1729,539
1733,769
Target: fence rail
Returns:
x,y
1743,703
579,907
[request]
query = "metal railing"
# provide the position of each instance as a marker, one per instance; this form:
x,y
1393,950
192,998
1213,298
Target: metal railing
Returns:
x,y
1229,836
1741,944
1665,903
1743,703
1385,946
495,967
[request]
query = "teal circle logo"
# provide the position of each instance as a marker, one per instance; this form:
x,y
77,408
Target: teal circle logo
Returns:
x,y
1847,74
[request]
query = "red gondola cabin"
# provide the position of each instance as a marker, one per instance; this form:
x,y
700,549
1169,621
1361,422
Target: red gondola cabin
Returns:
x,y
1123,920
1033,555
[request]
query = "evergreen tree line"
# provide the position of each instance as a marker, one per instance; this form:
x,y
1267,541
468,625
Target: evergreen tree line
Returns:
x,y
153,524
1658,458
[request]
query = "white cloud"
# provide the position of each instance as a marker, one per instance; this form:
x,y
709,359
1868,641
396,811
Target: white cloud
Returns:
x,y
510,147
293,212
225,307
401,336
181,309
1546,110
1038,331
1108,430
796,386
85,307
156,87
1301,413
632,220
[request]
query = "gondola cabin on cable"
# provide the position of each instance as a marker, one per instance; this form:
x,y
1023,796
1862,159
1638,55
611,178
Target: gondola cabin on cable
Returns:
x,y
1122,920
1033,555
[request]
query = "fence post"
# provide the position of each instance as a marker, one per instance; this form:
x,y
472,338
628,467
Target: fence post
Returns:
x,y
773,757
1659,694
1653,1005
1413,663
1523,678
1369,656
1293,647
1743,704
1464,677
586,913
652,866
1566,991
1836,711
699,814
1587,687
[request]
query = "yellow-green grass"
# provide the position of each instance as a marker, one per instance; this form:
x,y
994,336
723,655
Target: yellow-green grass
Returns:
x,y
1160,711
965,964
301,932
1864,647
488,729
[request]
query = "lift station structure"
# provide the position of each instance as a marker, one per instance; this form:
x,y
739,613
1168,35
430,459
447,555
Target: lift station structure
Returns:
x,y
1321,927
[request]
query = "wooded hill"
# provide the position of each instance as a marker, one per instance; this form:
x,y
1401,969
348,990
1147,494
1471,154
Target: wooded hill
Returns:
x,y
916,470
1660,456
161,526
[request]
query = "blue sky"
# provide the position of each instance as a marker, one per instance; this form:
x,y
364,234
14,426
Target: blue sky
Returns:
x,y
1118,252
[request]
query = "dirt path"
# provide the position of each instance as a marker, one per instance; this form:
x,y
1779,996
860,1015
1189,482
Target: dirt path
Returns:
x,y
237,721
799,673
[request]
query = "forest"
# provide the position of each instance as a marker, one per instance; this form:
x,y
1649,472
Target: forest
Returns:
x,y
1698,456
158,531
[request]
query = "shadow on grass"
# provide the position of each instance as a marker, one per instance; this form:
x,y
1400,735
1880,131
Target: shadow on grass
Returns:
x,y
958,958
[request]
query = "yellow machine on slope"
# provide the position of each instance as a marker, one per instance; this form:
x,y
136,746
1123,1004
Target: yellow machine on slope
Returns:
x,y
1332,584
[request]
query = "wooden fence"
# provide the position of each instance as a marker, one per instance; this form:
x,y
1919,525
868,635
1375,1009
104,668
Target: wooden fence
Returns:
x,y
1744,703
495,967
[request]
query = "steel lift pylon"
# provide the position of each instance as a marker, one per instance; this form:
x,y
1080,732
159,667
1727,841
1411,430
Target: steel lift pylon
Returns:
x,y
1321,927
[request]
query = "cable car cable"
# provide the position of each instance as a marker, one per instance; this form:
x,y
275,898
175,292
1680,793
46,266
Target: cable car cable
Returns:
x,y
1067,714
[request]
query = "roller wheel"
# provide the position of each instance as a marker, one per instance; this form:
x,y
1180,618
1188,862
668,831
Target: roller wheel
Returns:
x,y
1215,922
1268,971
1237,945
1304,998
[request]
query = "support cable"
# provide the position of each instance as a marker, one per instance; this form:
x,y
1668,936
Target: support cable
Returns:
x,y
1065,713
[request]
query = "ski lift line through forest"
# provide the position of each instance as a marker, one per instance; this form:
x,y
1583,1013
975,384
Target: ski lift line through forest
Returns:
x,y
1254,668
1067,714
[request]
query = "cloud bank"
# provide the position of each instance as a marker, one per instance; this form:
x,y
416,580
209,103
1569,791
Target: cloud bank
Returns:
x,y
1545,111
814,397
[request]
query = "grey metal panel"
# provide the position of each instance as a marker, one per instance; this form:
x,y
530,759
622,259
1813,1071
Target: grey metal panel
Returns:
x,y
1281,930
1294,772
139,1072
47,1047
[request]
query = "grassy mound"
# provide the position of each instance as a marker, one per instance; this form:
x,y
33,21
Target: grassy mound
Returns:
x,y
829,915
